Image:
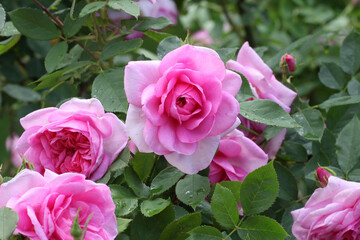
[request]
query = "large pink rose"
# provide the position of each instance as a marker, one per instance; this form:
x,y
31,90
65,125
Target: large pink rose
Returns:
x,y
77,137
332,212
181,105
47,205
237,156
264,85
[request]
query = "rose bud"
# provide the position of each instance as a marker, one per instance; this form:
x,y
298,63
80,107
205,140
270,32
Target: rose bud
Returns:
x,y
287,63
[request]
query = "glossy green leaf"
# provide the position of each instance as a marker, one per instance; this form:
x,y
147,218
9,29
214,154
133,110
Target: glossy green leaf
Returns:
x,y
350,53
34,24
332,76
261,227
122,224
119,46
226,53
7,44
139,188
108,87
143,164
192,189
245,92
353,87
72,26
167,45
8,222
224,207
259,190
312,124
91,7
21,93
153,23
152,207
271,131
165,180
55,56
234,187
205,233
288,189
125,201
121,161
296,151
157,36
347,143
178,229
345,100
127,6
267,112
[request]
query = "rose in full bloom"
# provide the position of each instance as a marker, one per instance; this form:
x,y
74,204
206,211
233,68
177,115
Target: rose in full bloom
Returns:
x,y
76,137
47,205
264,85
237,156
181,105
332,212
10,143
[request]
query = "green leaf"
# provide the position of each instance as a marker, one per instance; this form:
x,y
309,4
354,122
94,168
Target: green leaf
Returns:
x,y
347,143
139,188
7,44
21,93
271,131
339,101
143,163
125,201
152,226
119,46
296,151
226,53
127,6
108,87
224,207
288,189
2,17
167,45
165,180
205,233
177,230
267,112
261,227
91,7
34,24
353,87
259,190
121,161
234,187
312,124
287,219
152,207
9,30
153,23
55,56
332,76
192,189
350,53
73,26
8,222
245,92
157,36
338,117
122,224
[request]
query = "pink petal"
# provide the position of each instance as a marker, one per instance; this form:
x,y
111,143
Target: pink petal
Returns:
x,y
135,124
196,134
37,118
152,139
92,105
274,144
138,75
191,164
231,83
226,115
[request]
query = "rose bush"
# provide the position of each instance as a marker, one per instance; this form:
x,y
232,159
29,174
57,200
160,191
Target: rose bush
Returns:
x,y
76,137
47,205
237,156
264,85
332,212
181,105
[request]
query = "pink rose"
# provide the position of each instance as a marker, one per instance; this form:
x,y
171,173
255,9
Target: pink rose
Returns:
x,y
264,86
322,176
181,105
202,37
77,137
287,63
237,156
332,212
10,146
47,205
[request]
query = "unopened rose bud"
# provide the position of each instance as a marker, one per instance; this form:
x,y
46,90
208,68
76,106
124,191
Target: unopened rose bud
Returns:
x,y
322,175
287,63
76,230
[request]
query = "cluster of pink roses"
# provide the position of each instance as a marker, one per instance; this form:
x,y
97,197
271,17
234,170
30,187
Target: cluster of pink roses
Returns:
x,y
182,107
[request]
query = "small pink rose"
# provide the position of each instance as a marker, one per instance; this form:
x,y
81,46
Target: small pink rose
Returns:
x,y
10,146
264,85
180,106
77,137
322,176
287,63
47,205
331,212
